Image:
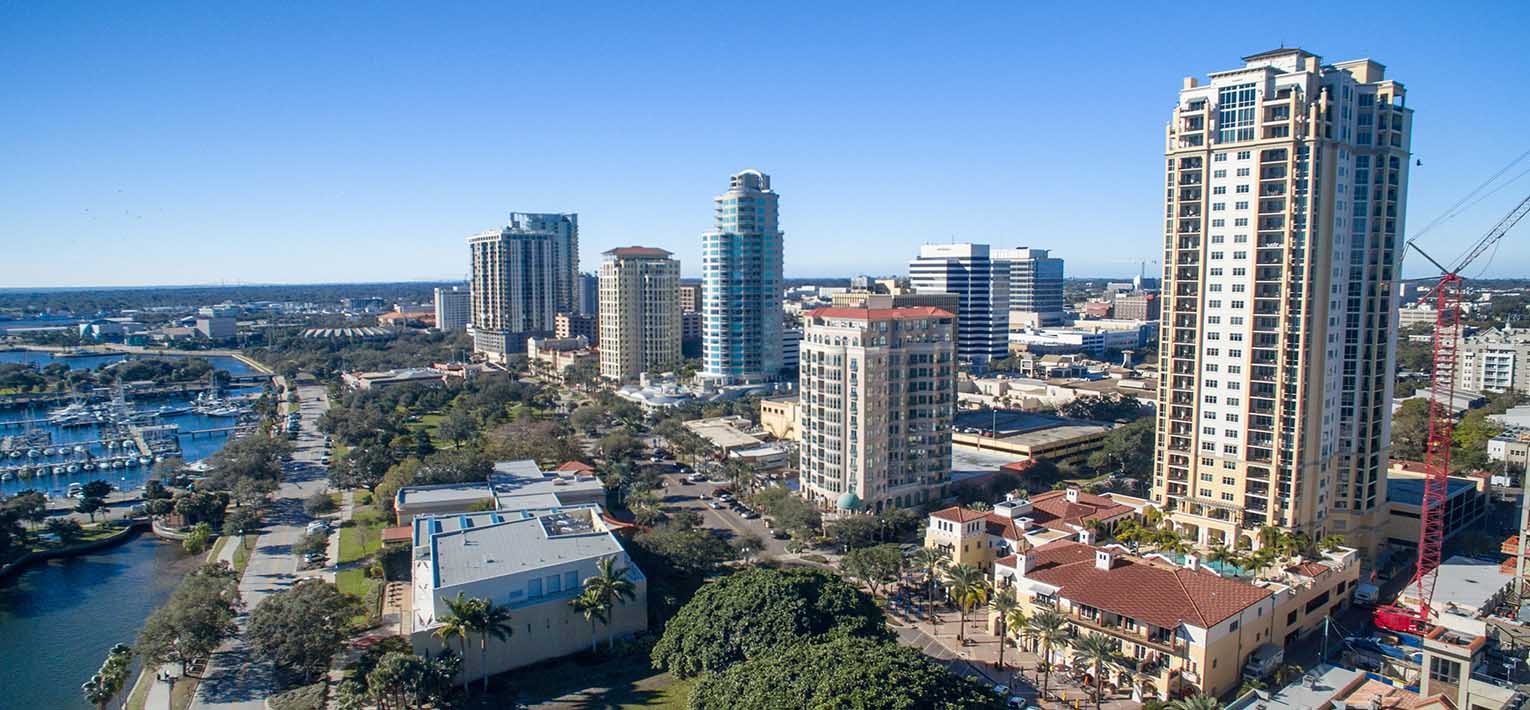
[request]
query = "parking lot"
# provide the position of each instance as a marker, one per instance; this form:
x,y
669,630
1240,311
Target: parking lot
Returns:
x,y
716,512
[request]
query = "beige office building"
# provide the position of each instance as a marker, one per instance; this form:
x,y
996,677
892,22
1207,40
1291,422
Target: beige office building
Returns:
x,y
1286,181
639,312
877,391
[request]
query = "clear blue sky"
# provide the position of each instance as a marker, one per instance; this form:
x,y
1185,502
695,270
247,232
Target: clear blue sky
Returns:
x,y
161,143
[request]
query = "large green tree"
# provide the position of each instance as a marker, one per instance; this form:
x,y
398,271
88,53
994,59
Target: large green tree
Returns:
x,y
762,611
199,616
300,628
862,673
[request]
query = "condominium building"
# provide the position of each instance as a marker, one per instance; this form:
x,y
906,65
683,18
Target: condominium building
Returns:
x,y
690,297
877,391
563,230
454,308
1035,285
514,283
1286,186
1494,360
588,295
981,284
741,265
639,312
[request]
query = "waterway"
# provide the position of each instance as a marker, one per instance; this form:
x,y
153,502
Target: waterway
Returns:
x,y
58,619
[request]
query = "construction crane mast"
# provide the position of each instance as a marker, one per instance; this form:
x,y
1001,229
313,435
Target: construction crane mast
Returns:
x,y
1447,337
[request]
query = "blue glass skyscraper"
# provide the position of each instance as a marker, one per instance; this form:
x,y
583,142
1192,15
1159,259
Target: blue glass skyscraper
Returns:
x,y
741,263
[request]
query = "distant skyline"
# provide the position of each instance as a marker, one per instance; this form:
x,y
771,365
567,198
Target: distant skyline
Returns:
x,y
183,143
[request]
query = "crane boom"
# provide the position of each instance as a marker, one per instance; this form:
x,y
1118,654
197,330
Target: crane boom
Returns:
x,y
1442,388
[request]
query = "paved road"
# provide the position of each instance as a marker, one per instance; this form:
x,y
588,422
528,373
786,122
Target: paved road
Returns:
x,y
233,680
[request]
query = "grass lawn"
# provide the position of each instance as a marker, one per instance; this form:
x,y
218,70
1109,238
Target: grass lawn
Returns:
x,y
362,536
431,423
620,683
242,555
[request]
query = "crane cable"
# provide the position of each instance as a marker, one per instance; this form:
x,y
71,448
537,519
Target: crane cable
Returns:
x,y
1461,205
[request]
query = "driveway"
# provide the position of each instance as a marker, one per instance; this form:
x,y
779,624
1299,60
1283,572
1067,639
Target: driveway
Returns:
x,y
235,681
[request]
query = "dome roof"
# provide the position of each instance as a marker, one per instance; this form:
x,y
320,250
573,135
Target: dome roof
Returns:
x,y
848,501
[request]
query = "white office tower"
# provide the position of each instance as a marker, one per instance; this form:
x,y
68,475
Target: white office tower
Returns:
x,y
513,289
1286,183
981,284
639,312
877,393
454,308
1035,286
741,265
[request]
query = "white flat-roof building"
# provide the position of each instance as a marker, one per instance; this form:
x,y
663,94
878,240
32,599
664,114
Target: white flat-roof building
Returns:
x,y
531,561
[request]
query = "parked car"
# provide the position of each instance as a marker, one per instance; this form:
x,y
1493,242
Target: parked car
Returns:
x,y
712,504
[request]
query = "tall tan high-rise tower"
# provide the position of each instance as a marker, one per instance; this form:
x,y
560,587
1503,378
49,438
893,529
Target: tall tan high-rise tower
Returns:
x,y
1286,182
639,312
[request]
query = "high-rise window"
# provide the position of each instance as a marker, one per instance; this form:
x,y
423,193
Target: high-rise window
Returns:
x,y
1235,113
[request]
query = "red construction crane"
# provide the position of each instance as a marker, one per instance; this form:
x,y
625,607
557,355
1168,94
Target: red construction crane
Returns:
x,y
1442,387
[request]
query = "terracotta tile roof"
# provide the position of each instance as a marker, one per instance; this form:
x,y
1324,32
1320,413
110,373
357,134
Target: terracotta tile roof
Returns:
x,y
1391,697
958,514
576,466
880,313
1052,510
1310,569
1157,593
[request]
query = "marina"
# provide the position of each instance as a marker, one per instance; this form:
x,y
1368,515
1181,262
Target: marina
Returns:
x,y
119,440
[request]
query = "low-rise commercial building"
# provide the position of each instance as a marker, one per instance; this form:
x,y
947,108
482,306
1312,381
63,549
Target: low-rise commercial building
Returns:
x,y
1084,336
1466,502
514,486
532,562
554,357
1027,435
393,378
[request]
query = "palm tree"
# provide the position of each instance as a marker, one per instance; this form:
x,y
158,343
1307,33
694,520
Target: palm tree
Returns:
x,y
1048,628
1271,536
455,623
488,619
1152,517
1221,555
1198,702
1096,651
1331,543
932,562
593,609
968,588
1010,614
611,587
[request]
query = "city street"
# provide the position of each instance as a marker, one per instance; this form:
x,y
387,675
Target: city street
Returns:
x,y
233,681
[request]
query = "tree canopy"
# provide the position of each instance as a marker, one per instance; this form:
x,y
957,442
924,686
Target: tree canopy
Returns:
x,y
841,673
762,611
300,628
